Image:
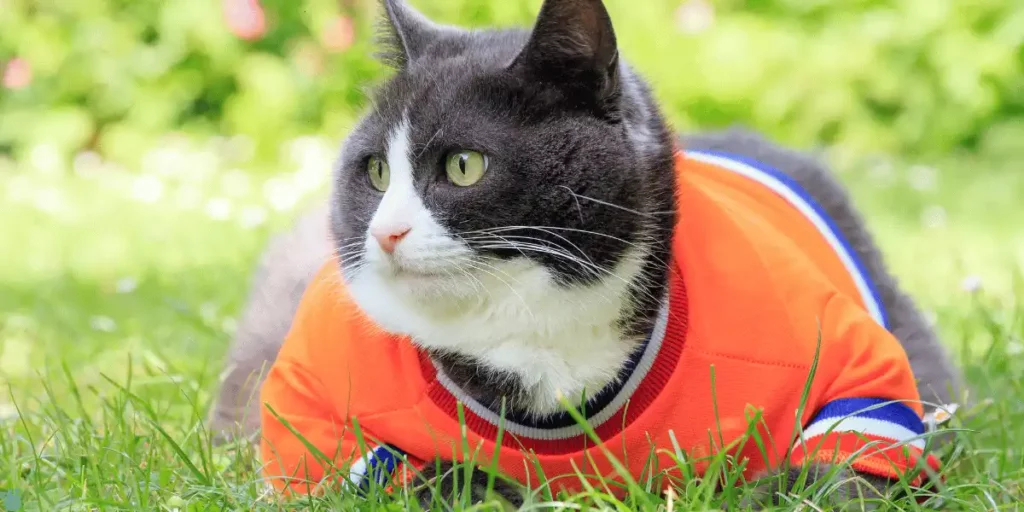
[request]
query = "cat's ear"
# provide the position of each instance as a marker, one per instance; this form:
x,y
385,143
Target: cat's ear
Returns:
x,y
573,42
404,33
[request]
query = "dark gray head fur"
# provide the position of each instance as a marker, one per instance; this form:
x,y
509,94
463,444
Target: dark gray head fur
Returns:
x,y
574,140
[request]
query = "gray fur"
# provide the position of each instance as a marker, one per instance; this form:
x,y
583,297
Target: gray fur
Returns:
x,y
286,267
838,488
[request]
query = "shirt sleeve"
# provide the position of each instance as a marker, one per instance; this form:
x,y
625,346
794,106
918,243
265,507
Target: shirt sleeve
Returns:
x,y
869,413
306,447
307,443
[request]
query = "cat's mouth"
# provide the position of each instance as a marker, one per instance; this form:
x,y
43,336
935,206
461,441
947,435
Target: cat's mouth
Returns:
x,y
412,269
417,273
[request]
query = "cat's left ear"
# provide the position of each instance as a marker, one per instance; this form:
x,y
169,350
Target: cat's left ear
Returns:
x,y
573,43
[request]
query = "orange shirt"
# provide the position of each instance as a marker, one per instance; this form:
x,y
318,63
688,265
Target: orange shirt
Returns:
x,y
758,273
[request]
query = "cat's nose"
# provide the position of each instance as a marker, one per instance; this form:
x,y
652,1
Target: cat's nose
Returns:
x,y
389,236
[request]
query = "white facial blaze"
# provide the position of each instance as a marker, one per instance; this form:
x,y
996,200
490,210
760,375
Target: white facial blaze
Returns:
x,y
400,204
510,315
427,240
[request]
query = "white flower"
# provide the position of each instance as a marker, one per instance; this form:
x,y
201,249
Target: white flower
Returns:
x,y
313,156
229,325
87,163
934,217
163,161
127,285
8,412
218,208
299,147
1014,347
147,189
49,200
923,178
239,148
311,176
46,158
235,183
942,414
281,194
189,197
252,216
971,284
112,169
103,323
19,188
208,312
882,173
695,16
203,163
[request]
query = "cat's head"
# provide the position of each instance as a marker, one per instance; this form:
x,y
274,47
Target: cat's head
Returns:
x,y
500,170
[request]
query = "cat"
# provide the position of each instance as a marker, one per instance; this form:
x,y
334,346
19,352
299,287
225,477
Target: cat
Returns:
x,y
561,296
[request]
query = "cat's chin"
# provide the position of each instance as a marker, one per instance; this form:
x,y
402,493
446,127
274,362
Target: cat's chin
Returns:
x,y
416,283
410,302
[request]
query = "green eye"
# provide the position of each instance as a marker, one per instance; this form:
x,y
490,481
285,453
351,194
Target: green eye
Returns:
x,y
465,168
380,173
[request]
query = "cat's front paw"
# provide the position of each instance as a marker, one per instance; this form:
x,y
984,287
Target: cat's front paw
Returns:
x,y
443,483
834,488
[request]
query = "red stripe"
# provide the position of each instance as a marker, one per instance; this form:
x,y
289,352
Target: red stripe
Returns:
x,y
880,457
657,376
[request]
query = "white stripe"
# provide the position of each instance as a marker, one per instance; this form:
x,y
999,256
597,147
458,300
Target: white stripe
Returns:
x,y
872,426
643,366
357,472
798,202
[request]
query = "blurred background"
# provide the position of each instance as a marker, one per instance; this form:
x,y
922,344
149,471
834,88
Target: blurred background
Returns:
x,y
118,77
149,148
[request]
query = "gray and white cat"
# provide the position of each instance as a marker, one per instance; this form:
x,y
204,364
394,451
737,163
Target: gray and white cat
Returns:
x,y
544,275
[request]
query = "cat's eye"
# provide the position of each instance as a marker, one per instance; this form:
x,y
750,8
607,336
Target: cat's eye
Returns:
x,y
465,168
380,173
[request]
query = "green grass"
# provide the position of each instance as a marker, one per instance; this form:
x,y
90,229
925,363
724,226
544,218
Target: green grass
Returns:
x,y
115,313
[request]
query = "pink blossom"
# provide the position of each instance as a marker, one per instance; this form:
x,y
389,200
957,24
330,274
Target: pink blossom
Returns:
x,y
245,18
17,74
339,34
309,59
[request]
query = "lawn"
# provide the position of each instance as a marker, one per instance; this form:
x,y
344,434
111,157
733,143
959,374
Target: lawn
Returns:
x,y
119,288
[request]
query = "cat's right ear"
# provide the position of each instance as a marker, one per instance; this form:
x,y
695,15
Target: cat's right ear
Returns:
x,y
573,44
404,33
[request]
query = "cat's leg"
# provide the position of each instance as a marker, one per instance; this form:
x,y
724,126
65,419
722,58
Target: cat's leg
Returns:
x,y
847,489
939,380
286,267
442,482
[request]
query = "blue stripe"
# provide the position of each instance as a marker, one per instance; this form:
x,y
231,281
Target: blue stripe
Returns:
x,y
380,464
874,408
793,185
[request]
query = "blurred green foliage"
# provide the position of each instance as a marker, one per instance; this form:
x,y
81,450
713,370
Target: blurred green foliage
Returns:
x,y
911,76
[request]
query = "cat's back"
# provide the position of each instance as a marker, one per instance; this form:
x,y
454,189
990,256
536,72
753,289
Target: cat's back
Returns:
x,y
760,261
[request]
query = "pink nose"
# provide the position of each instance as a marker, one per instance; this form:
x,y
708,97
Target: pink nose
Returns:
x,y
389,236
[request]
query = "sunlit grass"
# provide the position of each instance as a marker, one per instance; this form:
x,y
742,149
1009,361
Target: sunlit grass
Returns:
x,y
118,291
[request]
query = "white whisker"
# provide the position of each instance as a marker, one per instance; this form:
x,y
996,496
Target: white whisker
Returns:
x,y
613,205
